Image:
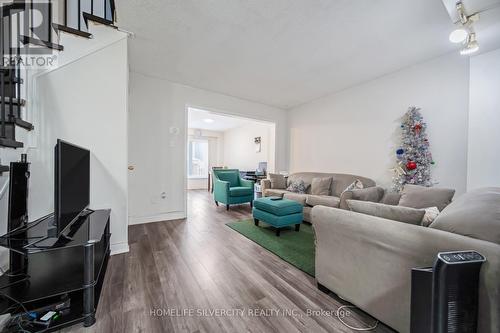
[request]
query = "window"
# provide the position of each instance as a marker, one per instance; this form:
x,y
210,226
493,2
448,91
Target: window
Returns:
x,y
197,158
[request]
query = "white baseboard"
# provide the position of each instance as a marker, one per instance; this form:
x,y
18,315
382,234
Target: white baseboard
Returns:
x,y
157,218
119,248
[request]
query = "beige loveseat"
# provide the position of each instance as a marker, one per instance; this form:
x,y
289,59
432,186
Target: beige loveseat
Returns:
x,y
337,197
367,260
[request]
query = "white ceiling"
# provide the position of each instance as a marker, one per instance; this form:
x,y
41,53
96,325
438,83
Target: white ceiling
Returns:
x,y
197,117
284,52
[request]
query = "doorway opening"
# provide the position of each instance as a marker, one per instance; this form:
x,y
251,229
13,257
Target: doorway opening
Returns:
x,y
224,141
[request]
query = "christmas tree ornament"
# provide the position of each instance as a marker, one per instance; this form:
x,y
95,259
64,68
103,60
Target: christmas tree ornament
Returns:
x,y
411,165
417,128
399,170
413,158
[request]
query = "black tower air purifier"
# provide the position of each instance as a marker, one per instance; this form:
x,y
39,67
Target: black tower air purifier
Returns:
x,y
455,292
444,298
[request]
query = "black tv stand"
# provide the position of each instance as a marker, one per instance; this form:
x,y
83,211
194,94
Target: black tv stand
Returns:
x,y
42,272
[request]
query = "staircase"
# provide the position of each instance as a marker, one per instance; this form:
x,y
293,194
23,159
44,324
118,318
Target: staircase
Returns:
x,y
20,36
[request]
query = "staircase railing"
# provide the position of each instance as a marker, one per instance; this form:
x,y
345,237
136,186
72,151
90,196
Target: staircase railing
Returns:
x,y
76,14
10,70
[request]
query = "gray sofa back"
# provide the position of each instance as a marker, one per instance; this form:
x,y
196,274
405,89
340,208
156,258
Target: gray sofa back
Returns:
x,y
474,214
339,183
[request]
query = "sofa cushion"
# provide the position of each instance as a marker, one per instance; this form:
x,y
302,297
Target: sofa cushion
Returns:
x,y
277,181
307,213
422,197
277,207
230,176
271,192
373,194
321,186
475,214
239,191
396,213
339,183
391,198
323,200
298,197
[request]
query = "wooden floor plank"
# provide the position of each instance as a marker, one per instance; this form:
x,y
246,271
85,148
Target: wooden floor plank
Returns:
x,y
201,264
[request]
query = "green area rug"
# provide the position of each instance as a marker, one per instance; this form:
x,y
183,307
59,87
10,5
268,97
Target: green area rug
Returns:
x,y
297,248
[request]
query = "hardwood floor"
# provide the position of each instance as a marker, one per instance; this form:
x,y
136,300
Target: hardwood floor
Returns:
x,y
201,265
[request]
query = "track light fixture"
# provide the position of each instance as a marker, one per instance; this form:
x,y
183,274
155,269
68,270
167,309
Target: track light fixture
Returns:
x,y
465,33
471,45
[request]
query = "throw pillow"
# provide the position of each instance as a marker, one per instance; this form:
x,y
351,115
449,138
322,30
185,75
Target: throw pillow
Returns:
x,y
391,198
373,194
357,184
415,196
475,214
277,181
297,186
396,213
430,215
321,186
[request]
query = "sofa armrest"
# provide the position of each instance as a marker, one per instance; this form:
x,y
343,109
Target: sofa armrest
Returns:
x,y
373,194
265,184
221,190
246,183
368,260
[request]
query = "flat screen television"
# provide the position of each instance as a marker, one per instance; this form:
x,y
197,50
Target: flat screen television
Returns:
x,y
72,183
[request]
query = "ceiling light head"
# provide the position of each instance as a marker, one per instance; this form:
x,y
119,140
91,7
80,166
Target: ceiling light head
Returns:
x,y
471,46
458,35
461,13
209,121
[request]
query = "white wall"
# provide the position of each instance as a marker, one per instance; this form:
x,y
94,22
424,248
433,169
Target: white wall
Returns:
x,y
357,130
85,102
484,121
239,146
59,106
157,143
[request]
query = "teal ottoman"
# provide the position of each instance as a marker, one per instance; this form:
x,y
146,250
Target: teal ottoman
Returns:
x,y
277,213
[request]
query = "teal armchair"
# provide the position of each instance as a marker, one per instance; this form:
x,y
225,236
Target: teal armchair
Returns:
x,y
230,188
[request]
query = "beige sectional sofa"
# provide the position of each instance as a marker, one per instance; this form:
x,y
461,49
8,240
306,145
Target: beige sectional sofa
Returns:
x,y
367,260
337,197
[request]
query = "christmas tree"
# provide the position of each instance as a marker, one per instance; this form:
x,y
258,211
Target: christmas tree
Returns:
x,y
414,159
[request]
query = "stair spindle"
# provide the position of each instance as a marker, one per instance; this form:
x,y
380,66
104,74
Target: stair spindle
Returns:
x,y
49,23
112,5
18,66
2,80
79,15
32,19
10,78
66,12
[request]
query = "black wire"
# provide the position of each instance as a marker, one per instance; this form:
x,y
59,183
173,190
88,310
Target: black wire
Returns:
x,y
15,301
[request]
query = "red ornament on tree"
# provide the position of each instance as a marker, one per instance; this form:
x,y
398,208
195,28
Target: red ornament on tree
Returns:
x,y
417,128
411,165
